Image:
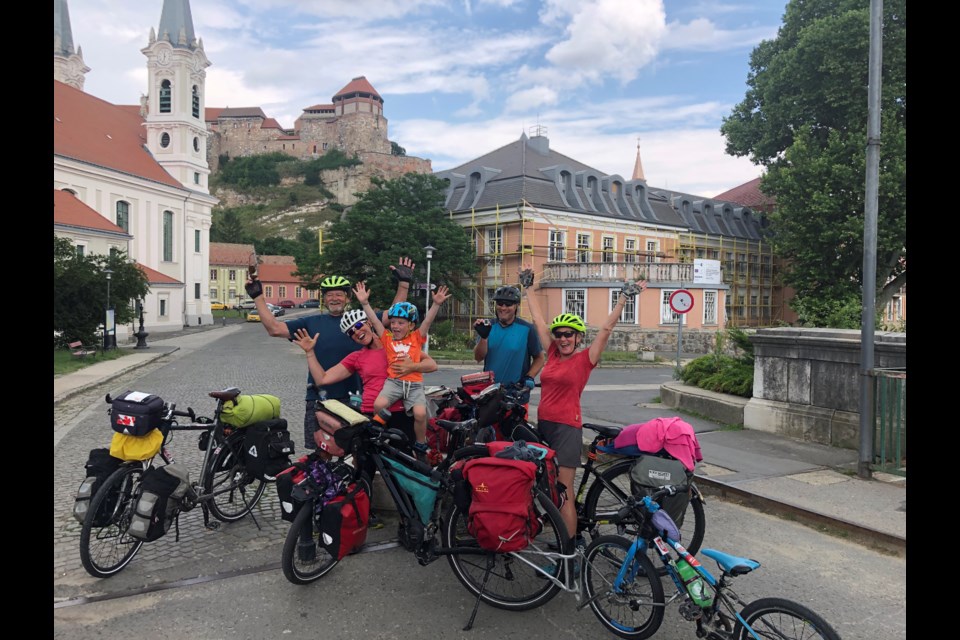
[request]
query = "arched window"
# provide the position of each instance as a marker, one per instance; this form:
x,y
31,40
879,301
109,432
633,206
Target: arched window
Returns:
x,y
196,101
165,96
168,236
123,215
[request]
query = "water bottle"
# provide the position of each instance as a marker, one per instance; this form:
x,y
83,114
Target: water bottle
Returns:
x,y
694,582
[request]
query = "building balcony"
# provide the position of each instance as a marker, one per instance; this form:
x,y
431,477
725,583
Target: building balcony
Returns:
x,y
617,272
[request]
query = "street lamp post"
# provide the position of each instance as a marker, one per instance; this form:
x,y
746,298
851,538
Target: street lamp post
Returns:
x,y
141,334
429,249
107,319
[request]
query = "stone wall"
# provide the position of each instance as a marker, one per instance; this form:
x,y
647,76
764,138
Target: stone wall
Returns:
x,y
806,382
695,341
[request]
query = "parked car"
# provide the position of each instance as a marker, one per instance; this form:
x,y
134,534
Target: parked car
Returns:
x,y
276,310
253,316
217,306
247,304
286,304
310,304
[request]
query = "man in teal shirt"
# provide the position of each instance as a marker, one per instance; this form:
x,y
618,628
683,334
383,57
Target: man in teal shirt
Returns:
x,y
508,346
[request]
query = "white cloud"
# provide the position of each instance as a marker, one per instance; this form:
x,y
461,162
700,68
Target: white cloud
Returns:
x,y
530,99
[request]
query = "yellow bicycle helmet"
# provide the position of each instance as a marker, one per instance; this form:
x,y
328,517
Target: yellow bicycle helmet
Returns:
x,y
571,320
335,283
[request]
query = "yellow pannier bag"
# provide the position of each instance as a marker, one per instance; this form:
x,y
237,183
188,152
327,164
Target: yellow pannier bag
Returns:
x,y
127,447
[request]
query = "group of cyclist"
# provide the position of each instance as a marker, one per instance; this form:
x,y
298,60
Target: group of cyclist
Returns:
x,y
352,349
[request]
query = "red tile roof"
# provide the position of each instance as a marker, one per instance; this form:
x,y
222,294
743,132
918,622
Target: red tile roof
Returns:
x,y
278,260
357,84
749,195
229,255
94,131
70,210
155,277
320,107
278,273
210,114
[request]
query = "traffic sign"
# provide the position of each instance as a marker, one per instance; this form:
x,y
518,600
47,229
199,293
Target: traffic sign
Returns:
x,y
681,301
422,286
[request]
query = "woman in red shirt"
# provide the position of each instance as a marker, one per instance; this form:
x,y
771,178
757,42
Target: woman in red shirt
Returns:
x,y
562,380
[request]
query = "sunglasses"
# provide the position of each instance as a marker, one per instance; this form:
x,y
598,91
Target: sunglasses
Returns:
x,y
501,303
564,334
352,330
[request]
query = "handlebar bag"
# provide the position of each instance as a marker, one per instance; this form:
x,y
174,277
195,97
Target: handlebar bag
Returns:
x,y
650,472
128,447
501,516
136,413
250,408
99,466
332,416
474,383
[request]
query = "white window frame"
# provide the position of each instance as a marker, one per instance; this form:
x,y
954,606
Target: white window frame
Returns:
x,y
163,304
667,314
282,291
584,252
608,253
710,297
630,252
495,240
232,275
558,245
213,274
653,250
629,313
575,301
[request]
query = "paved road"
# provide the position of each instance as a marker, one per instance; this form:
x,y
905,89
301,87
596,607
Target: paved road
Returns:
x,y
227,584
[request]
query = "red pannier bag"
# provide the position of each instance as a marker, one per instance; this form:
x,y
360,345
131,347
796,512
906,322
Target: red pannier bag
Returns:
x,y
343,521
438,438
501,515
474,383
547,469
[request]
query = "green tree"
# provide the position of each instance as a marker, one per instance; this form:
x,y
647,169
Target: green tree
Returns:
x,y
80,291
804,118
397,150
395,218
227,227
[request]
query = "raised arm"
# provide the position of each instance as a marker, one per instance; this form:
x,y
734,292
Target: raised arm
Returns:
x,y
403,274
438,299
363,297
526,279
336,373
274,327
606,329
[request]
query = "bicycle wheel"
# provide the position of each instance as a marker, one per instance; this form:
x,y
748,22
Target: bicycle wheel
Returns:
x,y
105,545
235,490
607,495
304,559
636,609
782,619
516,582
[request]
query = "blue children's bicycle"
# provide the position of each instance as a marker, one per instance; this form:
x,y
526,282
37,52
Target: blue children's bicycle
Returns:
x,y
626,595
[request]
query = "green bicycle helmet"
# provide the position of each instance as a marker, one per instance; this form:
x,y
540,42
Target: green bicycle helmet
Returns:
x,y
335,283
571,320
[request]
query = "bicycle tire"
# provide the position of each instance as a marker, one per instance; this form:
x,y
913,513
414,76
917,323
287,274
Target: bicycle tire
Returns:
x,y
105,550
601,502
303,564
782,619
637,611
512,585
235,491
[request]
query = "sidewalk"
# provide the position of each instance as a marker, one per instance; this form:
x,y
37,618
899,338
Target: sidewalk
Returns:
x,y
777,475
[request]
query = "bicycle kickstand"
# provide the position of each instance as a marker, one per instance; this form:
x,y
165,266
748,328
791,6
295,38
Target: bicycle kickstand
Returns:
x,y
212,526
491,560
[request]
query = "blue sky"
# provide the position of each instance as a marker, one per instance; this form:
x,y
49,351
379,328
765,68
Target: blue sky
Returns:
x,y
461,78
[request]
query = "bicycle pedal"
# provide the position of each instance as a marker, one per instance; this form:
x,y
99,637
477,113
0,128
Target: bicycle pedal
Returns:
x,y
213,526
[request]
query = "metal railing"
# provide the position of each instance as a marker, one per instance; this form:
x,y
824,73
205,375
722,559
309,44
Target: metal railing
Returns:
x,y
617,271
890,432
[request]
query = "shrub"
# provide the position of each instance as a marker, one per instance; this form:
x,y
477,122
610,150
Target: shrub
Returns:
x,y
722,373
445,337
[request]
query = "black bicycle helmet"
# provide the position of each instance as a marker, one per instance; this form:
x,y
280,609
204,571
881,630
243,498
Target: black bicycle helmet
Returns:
x,y
507,294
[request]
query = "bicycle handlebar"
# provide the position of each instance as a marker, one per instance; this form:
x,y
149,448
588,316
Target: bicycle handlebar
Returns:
x,y
648,503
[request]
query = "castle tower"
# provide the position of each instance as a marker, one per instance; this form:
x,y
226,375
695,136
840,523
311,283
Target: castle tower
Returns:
x,y
176,129
68,66
360,125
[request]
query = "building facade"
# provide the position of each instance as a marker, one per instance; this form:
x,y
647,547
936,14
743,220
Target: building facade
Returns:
x,y
585,233
143,168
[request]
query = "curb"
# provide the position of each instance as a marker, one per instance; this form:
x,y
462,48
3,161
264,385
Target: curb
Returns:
x,y
66,395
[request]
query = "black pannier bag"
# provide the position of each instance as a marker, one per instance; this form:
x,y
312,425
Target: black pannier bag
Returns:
x,y
158,506
267,448
136,413
99,466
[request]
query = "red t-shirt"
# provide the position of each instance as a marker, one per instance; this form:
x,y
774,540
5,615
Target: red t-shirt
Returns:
x,y
371,365
561,383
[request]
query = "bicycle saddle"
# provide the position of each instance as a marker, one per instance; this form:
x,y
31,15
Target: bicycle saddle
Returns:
x,y
230,393
604,430
733,565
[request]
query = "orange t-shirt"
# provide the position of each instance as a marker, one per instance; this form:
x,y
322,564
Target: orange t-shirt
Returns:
x,y
412,346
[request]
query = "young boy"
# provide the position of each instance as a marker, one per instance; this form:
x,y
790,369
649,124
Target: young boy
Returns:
x,y
403,343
